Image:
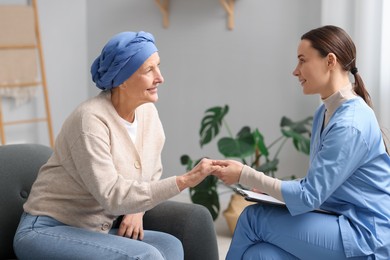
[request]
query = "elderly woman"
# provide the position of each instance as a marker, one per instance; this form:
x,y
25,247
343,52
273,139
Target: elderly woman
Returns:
x,y
106,168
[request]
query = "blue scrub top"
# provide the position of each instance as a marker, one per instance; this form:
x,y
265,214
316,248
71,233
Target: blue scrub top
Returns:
x,y
349,174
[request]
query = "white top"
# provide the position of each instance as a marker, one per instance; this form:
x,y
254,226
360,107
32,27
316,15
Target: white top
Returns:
x,y
131,128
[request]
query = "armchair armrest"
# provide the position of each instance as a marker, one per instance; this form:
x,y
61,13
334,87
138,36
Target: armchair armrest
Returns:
x,y
192,224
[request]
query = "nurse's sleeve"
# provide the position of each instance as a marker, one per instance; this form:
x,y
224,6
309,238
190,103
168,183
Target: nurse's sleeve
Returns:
x,y
341,153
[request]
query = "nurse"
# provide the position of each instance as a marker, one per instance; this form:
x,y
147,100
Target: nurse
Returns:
x,y
348,173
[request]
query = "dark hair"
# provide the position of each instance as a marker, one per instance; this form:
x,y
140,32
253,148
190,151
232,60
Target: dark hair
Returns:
x,y
332,39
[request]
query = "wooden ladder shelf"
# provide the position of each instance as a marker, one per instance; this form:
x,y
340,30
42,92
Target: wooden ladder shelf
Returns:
x,y
24,18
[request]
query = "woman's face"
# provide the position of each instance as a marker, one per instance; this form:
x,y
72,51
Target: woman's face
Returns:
x,y
312,69
142,85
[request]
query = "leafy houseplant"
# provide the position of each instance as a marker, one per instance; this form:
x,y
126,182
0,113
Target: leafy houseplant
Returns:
x,y
247,145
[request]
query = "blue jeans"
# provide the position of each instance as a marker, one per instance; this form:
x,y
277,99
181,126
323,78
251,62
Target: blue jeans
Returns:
x,y
270,232
42,237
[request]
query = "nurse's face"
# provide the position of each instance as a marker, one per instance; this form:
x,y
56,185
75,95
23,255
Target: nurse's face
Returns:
x,y
312,69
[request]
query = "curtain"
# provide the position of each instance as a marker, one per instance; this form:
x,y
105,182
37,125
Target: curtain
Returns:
x,y
384,90
366,22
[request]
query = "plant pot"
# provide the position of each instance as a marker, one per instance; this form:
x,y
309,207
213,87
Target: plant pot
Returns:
x,y
236,205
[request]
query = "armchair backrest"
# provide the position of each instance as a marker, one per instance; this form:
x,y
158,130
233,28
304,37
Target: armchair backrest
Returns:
x,y
19,165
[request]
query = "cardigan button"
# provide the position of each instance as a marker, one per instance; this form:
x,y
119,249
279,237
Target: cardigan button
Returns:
x,y
137,164
24,194
105,226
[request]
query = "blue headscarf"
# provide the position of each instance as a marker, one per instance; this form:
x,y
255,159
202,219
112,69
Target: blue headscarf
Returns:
x,y
121,57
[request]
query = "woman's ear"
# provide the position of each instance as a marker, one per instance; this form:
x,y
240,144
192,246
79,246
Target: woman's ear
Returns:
x,y
332,60
123,85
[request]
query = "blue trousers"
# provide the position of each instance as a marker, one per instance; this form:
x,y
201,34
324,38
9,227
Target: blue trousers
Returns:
x,y
42,237
270,232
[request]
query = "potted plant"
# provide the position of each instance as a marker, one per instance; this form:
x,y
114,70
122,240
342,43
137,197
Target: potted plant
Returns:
x,y
247,145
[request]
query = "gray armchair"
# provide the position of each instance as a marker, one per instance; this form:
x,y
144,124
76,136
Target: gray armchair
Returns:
x,y
19,165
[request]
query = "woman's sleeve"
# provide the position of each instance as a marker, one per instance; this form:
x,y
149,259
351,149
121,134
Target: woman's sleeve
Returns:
x,y
341,153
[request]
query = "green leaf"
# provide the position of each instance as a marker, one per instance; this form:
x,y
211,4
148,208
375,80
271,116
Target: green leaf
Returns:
x,y
269,166
245,131
186,161
303,126
285,121
240,147
211,123
259,140
300,132
205,193
301,143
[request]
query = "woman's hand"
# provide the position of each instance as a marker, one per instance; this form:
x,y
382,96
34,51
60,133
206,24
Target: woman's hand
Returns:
x,y
192,178
132,226
229,171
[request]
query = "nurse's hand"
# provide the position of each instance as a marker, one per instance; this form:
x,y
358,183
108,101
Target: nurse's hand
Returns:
x,y
229,171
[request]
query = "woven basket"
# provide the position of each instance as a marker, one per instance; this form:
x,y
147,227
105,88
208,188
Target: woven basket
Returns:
x,y
236,205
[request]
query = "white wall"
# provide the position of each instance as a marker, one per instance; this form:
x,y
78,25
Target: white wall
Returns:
x,y
63,26
204,64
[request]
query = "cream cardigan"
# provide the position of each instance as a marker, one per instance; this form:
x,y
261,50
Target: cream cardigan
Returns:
x,y
96,172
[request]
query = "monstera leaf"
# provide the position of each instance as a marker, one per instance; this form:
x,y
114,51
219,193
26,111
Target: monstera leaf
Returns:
x,y
211,123
301,127
299,132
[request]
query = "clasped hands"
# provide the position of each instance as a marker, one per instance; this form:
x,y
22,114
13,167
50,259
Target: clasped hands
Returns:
x,y
228,171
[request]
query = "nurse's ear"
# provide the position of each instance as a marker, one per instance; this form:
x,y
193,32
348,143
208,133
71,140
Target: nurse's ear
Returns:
x,y
332,60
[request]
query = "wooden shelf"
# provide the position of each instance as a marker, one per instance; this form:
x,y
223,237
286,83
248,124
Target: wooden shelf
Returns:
x,y
164,9
228,5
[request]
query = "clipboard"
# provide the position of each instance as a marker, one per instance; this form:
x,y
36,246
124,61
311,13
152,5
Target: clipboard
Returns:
x,y
258,197
267,199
